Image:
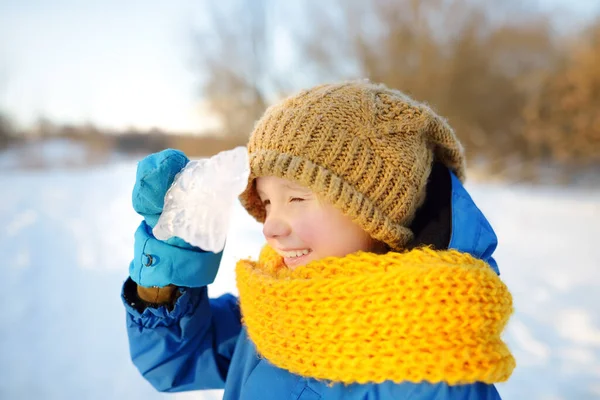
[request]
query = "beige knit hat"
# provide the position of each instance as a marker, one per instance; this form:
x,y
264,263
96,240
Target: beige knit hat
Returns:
x,y
365,148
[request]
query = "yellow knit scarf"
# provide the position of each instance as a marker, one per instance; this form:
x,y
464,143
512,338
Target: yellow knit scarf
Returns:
x,y
418,316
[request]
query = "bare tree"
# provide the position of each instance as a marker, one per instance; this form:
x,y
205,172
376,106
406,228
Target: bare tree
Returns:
x,y
235,55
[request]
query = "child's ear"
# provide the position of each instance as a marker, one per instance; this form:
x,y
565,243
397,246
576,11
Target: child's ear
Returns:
x,y
432,225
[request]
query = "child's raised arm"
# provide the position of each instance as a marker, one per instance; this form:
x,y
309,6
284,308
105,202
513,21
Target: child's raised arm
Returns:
x,y
178,338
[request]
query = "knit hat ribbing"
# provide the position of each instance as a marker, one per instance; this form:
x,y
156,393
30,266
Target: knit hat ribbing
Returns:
x,y
364,147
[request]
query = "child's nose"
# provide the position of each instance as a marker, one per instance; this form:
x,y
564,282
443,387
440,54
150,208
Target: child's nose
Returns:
x,y
275,227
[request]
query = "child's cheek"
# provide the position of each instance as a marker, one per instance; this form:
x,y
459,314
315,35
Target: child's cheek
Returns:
x,y
310,229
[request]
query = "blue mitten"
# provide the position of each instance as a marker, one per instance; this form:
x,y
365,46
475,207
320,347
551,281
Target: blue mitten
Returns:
x,y
160,263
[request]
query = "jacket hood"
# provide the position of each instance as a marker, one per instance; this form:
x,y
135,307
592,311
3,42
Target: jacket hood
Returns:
x,y
470,230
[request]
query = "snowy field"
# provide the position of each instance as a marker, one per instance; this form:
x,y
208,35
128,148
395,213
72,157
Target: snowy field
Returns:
x,y
66,240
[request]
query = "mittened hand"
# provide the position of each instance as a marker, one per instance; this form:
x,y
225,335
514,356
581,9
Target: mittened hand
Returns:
x,y
155,175
156,262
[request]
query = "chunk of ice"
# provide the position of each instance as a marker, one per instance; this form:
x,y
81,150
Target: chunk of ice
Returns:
x,y
199,203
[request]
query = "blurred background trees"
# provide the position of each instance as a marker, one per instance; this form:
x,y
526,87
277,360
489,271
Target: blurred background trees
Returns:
x,y
6,131
6,128
233,59
519,94
521,86
563,114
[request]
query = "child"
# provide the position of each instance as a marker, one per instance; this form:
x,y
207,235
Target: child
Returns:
x,y
355,295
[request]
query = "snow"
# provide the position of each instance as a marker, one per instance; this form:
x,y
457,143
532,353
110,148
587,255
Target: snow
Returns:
x,y
67,239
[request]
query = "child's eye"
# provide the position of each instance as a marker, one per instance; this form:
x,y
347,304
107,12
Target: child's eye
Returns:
x,y
296,199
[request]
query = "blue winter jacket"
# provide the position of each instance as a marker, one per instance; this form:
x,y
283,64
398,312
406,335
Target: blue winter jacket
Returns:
x,y
201,343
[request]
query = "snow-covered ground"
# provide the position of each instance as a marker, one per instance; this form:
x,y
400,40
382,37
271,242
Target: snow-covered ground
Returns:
x,y
66,240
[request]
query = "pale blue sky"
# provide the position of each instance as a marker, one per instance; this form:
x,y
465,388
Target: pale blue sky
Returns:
x,y
115,63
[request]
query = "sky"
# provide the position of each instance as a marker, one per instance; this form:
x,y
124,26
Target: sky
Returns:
x,y
114,63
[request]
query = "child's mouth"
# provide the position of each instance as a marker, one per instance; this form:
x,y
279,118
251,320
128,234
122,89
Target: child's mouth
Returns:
x,y
294,258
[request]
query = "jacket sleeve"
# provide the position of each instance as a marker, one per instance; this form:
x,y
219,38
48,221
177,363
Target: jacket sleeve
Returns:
x,y
188,346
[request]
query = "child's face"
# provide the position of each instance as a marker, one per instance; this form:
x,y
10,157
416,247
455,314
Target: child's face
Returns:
x,y
303,228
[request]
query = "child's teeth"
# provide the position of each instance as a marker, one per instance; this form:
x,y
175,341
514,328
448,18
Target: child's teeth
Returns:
x,y
291,254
